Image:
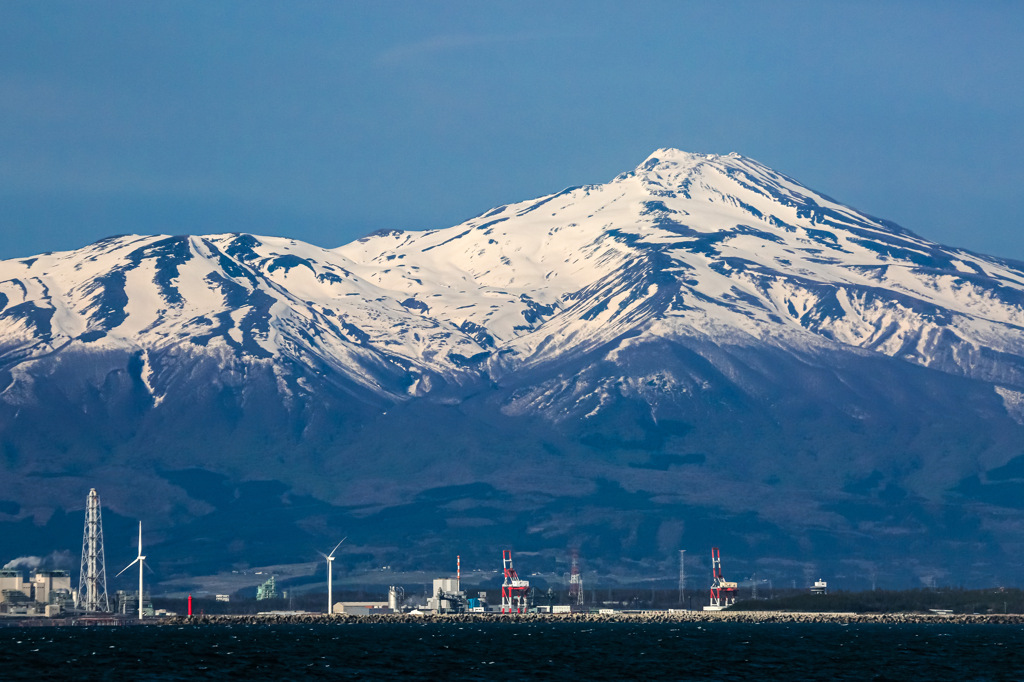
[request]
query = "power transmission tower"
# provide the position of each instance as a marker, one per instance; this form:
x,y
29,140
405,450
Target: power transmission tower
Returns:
x,y
92,581
575,581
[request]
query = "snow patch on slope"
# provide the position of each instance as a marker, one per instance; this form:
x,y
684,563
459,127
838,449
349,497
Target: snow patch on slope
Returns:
x,y
691,248
1014,403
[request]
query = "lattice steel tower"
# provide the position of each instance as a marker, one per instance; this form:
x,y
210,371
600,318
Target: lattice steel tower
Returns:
x,y
575,581
92,581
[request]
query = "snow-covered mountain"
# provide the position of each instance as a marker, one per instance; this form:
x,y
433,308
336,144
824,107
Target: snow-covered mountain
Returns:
x,y
701,331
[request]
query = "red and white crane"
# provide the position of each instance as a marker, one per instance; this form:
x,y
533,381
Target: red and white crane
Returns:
x,y
513,590
723,592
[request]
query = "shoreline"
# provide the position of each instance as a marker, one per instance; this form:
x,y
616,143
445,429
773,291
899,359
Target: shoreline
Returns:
x,y
643,617
751,617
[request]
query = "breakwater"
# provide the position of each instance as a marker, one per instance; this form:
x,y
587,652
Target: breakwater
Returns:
x,y
641,617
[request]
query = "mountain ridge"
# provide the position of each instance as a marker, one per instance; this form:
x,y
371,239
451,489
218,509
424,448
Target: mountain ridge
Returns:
x,y
700,332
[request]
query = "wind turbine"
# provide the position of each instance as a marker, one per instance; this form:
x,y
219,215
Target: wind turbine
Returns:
x,y
330,573
140,559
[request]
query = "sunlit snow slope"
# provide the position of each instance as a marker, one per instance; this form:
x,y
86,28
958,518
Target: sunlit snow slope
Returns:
x,y
686,245
697,341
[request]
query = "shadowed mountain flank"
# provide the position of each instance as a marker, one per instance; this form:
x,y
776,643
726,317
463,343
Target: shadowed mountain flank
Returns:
x,y
700,351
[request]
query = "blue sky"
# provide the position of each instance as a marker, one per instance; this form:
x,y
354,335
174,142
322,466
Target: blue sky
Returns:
x,y
326,121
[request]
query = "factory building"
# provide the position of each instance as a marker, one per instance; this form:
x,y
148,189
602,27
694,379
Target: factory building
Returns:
x,y
446,597
50,587
361,608
11,582
48,591
128,603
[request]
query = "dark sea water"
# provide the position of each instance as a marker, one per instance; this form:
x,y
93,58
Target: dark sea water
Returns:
x,y
496,651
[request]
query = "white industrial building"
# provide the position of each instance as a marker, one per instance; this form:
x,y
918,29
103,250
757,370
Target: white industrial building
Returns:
x,y
360,608
446,596
43,589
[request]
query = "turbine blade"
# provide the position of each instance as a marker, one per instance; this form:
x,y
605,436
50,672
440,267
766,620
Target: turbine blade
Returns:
x,y
128,566
337,546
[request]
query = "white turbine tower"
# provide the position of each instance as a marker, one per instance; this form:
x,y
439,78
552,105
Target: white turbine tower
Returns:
x,y
140,559
330,573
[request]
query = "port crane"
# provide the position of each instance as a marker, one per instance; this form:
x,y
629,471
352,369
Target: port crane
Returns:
x,y
514,591
723,592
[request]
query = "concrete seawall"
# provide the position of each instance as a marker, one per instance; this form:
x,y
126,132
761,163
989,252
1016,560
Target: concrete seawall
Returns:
x,y
643,617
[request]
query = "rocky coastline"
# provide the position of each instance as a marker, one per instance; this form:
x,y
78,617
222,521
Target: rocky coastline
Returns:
x,y
596,618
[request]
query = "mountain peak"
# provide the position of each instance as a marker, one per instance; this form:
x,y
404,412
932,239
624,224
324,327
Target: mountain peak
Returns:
x,y
670,169
670,157
697,337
